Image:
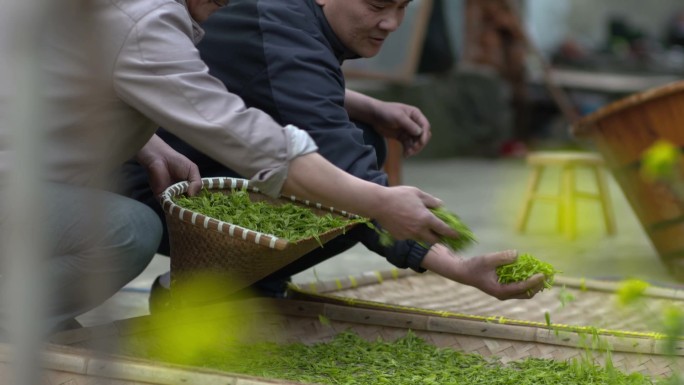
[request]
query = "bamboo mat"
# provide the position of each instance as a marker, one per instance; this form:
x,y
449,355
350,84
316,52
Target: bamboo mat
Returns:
x,y
518,329
386,305
595,303
319,319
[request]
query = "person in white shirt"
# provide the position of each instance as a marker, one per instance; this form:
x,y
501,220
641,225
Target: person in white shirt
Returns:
x,y
107,83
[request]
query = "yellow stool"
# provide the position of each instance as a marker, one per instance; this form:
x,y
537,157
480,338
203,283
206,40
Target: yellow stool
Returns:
x,y
568,161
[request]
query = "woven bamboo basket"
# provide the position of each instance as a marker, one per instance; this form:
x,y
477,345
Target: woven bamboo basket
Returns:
x,y
511,330
203,247
622,131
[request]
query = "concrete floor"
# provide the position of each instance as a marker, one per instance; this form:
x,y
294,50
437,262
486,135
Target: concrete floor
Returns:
x,y
487,195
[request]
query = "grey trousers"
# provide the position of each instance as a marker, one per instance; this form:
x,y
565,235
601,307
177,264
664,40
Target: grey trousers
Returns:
x,y
98,241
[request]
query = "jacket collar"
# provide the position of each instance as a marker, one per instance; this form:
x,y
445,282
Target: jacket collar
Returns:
x,y
341,52
197,31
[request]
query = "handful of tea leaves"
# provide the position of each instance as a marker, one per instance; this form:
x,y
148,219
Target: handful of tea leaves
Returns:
x,y
465,235
525,267
288,221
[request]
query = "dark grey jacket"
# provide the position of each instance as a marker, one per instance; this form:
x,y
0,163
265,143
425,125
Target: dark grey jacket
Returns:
x,y
282,57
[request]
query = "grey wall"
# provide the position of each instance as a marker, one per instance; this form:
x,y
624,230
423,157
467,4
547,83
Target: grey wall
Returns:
x,y
453,10
550,21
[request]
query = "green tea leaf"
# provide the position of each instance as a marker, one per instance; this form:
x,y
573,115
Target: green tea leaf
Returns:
x,y
525,267
288,221
631,290
465,236
351,360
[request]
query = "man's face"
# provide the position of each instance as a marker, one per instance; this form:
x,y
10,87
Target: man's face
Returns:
x,y
363,25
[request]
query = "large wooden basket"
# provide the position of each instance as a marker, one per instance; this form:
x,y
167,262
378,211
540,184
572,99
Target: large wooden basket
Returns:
x,y
622,131
204,247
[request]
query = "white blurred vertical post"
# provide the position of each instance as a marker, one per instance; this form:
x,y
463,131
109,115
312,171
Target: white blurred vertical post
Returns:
x,y
21,194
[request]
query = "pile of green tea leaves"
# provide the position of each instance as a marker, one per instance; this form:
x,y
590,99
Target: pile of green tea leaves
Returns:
x,y
350,360
288,221
466,237
525,267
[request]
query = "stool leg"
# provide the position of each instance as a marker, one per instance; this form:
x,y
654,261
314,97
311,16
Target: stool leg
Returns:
x,y
604,196
532,185
568,198
561,225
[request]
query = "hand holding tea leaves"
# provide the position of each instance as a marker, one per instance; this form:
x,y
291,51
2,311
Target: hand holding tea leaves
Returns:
x,y
523,268
465,235
405,213
480,272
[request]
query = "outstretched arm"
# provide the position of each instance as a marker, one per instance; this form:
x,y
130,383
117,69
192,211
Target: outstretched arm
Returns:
x,y
480,272
402,210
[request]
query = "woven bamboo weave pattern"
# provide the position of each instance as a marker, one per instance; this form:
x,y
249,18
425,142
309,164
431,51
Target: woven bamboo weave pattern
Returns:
x,y
622,131
203,246
594,305
287,321
516,329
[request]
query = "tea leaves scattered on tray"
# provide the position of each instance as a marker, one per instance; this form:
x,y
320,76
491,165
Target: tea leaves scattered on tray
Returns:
x,y
288,221
525,267
349,359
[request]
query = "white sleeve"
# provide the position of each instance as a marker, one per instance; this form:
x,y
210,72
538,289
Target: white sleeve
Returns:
x,y
160,73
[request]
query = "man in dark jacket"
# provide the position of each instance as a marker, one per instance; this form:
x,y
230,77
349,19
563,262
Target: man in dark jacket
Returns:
x,y
284,57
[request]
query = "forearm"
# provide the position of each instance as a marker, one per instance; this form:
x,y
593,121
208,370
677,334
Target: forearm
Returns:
x,y
360,107
401,210
312,177
441,261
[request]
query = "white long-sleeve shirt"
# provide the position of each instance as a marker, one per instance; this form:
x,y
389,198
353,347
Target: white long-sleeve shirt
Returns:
x,y
130,67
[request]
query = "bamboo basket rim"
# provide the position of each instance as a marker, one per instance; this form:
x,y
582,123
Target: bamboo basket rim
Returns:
x,y
212,224
324,292
586,124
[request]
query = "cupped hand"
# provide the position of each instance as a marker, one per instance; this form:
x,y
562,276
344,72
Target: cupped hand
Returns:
x,y
480,272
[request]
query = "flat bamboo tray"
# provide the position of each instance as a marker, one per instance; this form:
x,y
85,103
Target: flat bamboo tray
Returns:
x,y
517,329
383,305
